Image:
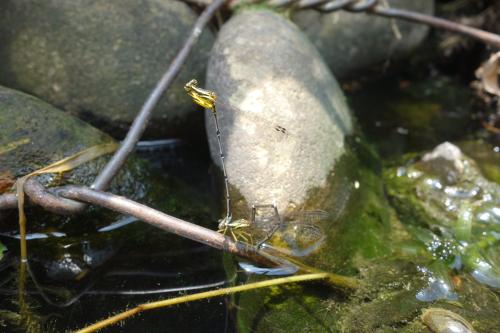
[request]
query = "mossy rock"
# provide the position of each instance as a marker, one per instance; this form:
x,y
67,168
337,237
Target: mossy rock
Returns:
x,y
34,134
358,231
451,209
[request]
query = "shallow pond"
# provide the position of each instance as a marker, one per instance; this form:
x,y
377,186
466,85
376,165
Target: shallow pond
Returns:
x,y
85,269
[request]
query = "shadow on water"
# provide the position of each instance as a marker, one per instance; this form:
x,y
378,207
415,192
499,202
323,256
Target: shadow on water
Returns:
x,y
86,268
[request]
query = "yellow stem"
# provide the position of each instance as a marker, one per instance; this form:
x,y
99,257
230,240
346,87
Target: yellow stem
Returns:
x,y
194,297
63,165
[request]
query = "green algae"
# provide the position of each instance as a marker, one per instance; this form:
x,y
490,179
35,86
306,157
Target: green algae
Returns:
x,y
451,209
406,259
358,230
486,155
2,250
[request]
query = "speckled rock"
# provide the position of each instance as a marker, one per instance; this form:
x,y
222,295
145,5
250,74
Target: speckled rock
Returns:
x,y
100,59
353,41
283,116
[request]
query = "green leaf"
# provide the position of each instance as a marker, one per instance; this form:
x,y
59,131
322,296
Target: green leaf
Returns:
x,y
2,250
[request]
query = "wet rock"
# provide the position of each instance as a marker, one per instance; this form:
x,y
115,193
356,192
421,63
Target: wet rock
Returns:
x,y
100,60
452,209
281,112
356,202
386,302
34,134
353,41
486,155
72,259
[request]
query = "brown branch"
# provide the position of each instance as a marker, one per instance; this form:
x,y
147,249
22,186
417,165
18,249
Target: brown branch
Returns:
x,y
166,222
440,23
140,122
42,197
372,7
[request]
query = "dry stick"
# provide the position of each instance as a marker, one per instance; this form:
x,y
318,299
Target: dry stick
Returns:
x,y
436,22
161,220
208,294
140,122
192,231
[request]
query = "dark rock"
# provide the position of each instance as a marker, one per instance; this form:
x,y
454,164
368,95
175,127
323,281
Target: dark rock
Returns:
x,y
352,41
100,60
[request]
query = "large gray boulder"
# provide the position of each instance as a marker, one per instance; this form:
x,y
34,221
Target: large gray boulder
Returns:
x,y
282,114
353,41
100,59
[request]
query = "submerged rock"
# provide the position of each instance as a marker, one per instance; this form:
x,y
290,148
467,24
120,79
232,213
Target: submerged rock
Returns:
x,y
100,60
282,114
353,41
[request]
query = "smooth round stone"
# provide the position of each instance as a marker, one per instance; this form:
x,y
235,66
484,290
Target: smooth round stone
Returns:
x,y
101,59
350,42
282,114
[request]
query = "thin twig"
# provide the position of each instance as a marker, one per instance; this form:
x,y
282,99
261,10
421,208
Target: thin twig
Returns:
x,y
440,23
161,220
140,122
194,297
373,7
107,174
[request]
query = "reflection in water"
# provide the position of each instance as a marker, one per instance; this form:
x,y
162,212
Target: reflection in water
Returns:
x,y
84,269
119,223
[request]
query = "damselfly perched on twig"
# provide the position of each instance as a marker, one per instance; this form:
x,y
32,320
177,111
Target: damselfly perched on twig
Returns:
x,y
265,221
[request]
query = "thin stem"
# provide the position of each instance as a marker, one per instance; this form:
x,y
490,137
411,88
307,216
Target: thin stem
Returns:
x,y
436,22
115,164
194,297
166,222
222,157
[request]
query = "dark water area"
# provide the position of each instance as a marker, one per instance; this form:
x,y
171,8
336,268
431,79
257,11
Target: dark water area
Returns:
x,y
84,269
